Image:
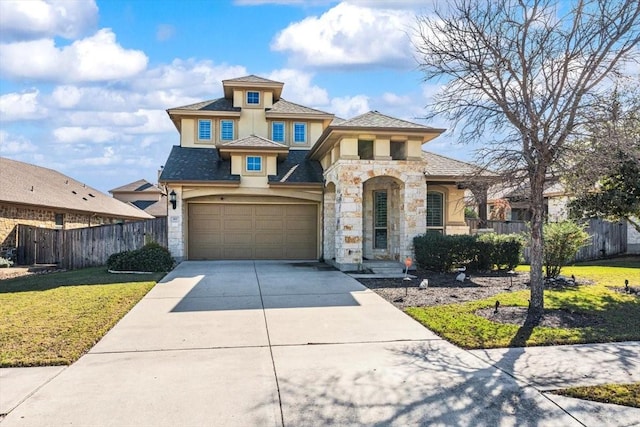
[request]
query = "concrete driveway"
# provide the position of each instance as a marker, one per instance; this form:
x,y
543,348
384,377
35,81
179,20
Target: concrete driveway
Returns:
x,y
274,343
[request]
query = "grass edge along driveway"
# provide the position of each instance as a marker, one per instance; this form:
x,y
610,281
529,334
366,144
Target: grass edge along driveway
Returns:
x,y
54,319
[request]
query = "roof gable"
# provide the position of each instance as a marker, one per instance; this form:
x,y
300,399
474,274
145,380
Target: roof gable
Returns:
x,y
375,119
139,186
284,107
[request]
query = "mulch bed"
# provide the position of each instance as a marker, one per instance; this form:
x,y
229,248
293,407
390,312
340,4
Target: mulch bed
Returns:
x,y
550,318
443,289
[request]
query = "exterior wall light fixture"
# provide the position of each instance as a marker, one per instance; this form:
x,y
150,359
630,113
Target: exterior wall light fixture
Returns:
x,y
172,198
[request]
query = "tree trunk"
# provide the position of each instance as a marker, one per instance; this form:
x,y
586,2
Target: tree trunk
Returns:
x,y
536,305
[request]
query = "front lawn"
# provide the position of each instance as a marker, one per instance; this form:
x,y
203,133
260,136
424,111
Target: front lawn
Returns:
x,y
619,394
53,319
615,316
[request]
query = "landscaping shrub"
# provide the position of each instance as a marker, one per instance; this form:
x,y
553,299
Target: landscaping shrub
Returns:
x,y
501,250
151,257
437,252
5,263
562,241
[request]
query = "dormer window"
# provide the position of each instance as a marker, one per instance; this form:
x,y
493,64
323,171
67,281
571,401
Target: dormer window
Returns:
x,y
253,98
254,164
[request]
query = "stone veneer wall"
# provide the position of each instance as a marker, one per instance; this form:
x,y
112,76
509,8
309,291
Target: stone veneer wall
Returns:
x,y
348,177
176,233
12,215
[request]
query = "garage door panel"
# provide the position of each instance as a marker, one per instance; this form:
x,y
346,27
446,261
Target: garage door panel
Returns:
x,y
258,231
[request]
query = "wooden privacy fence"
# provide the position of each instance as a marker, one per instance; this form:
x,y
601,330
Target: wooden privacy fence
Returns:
x,y
607,238
86,247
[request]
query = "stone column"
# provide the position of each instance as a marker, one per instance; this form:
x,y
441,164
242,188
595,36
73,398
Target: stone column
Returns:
x,y
176,226
348,208
414,212
329,223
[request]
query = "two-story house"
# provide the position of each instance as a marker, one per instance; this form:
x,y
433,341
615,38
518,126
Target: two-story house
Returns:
x,y
259,177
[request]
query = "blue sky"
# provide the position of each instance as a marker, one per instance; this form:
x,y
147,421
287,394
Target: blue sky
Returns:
x,y
84,85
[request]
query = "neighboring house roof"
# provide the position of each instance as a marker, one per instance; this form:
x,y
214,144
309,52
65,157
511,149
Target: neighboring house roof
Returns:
x,y
157,208
27,184
139,186
196,164
442,166
520,191
283,107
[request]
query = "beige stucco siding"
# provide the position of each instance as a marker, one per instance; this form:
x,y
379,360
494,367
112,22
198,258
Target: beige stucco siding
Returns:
x,y
252,122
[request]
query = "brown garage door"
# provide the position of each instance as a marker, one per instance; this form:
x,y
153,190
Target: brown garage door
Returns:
x,y
219,231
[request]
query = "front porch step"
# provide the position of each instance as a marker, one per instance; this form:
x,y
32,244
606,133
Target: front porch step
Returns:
x,y
384,267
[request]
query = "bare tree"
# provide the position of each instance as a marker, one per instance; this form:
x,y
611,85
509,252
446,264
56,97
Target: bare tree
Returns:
x,y
520,75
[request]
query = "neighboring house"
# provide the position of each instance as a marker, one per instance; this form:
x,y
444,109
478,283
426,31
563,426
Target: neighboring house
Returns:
x,y
259,177
42,197
555,201
143,195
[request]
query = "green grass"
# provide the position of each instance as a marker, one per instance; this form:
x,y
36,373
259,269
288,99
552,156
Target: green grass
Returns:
x,y
619,394
54,319
619,314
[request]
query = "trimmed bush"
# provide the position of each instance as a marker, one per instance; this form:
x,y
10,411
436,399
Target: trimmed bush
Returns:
x,y
5,263
151,257
504,251
562,241
437,252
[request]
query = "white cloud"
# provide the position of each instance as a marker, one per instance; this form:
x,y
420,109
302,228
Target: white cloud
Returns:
x,y
350,106
108,157
165,32
34,19
76,134
349,35
92,59
14,144
21,106
298,87
396,100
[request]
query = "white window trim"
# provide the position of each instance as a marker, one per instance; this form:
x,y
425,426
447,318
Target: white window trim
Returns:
x,y
284,131
246,165
211,130
305,132
246,100
233,130
444,211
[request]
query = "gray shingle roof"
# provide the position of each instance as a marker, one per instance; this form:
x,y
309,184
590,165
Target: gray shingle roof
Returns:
x,y
437,165
205,164
157,208
220,104
306,171
252,78
374,119
139,186
29,184
286,107
254,141
196,164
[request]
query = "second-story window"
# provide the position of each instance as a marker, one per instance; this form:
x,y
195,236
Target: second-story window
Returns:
x,y
277,131
300,133
204,130
254,163
226,130
253,98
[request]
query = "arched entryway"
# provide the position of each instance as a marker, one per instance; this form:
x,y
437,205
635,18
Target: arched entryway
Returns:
x,y
381,218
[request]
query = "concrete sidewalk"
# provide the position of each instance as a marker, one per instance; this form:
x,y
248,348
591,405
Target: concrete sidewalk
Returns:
x,y
273,343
